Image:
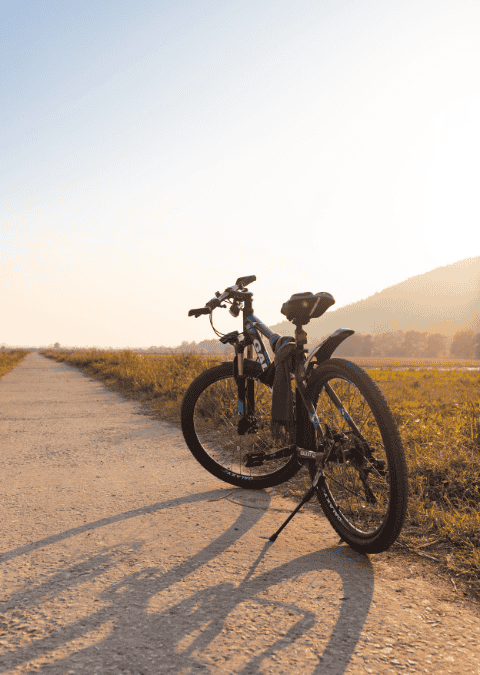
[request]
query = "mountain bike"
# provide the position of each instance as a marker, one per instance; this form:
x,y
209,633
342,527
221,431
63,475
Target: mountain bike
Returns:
x,y
254,422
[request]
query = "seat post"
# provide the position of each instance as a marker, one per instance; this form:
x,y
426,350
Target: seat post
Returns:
x,y
300,336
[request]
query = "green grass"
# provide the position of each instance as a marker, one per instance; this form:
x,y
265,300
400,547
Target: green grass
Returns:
x,y
9,360
438,415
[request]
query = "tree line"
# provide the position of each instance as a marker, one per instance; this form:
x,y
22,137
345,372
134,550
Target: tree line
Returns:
x,y
204,347
464,345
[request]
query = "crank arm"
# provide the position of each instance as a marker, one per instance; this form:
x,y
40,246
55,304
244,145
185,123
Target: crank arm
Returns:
x,y
258,458
310,454
283,452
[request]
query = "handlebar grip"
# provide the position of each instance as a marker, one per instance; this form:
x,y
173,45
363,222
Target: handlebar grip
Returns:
x,y
244,281
196,312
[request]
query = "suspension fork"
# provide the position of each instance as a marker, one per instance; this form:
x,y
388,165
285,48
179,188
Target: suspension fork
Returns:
x,y
238,372
250,388
245,390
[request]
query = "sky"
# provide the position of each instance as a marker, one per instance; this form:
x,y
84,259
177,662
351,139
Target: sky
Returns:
x,y
153,152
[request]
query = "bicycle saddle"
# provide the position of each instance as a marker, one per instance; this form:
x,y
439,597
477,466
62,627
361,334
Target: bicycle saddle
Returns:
x,y
302,307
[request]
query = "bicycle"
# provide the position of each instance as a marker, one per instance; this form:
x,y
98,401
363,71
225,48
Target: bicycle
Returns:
x,y
254,423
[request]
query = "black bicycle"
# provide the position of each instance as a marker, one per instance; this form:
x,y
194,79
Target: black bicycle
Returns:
x,y
254,423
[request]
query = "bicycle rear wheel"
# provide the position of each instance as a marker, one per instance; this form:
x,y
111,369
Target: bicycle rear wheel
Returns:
x,y
364,492
209,420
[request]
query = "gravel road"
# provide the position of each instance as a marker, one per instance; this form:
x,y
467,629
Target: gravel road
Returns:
x,y
122,555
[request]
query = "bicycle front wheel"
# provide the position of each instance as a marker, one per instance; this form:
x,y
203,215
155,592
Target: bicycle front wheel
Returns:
x,y
364,491
209,423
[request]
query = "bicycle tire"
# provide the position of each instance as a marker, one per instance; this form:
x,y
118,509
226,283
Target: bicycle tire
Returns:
x,y
209,421
368,524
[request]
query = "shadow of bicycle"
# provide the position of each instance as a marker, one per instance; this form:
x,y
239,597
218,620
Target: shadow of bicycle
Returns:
x,y
209,613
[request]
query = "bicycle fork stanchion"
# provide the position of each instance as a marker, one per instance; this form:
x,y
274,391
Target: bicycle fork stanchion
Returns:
x,y
306,498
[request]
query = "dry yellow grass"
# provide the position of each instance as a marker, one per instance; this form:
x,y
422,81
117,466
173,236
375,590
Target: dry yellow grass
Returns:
x,y
9,360
438,415
414,362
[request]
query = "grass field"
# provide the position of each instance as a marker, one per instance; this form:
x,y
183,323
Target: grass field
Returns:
x,y
9,360
391,362
438,415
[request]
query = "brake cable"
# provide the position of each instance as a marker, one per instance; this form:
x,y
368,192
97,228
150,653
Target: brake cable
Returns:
x,y
211,322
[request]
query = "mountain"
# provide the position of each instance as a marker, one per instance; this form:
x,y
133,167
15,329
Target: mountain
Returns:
x,y
445,300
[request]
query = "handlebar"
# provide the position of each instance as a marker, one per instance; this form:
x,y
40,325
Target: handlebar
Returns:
x,y
244,281
232,291
196,312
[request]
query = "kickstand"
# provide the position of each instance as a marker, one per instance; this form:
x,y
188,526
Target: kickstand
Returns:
x,y
306,498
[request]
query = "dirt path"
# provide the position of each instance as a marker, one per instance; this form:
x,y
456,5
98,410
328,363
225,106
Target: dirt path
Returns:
x,y
121,555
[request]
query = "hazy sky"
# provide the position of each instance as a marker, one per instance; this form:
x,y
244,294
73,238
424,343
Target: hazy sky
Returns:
x,y
152,152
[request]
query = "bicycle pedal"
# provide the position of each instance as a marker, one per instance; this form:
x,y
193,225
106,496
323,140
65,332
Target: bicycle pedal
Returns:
x,y
254,459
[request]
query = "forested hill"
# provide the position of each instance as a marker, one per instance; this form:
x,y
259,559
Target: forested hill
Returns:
x,y
445,300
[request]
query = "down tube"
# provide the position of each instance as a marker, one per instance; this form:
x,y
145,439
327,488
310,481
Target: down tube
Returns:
x,y
253,320
253,326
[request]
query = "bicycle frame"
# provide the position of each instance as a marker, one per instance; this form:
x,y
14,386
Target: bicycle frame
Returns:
x,y
307,420
309,433
362,485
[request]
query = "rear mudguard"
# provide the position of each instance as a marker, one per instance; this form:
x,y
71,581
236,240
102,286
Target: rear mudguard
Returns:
x,y
325,349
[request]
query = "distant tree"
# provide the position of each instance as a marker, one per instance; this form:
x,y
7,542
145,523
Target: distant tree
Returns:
x,y
366,346
413,343
388,344
477,346
463,345
187,347
356,345
57,345
435,345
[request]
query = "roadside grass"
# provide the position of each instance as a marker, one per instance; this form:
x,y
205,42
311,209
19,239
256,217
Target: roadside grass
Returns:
x,y
158,380
9,360
425,363
438,416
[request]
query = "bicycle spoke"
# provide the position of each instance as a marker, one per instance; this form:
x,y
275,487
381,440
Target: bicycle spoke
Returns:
x,y
359,490
216,425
